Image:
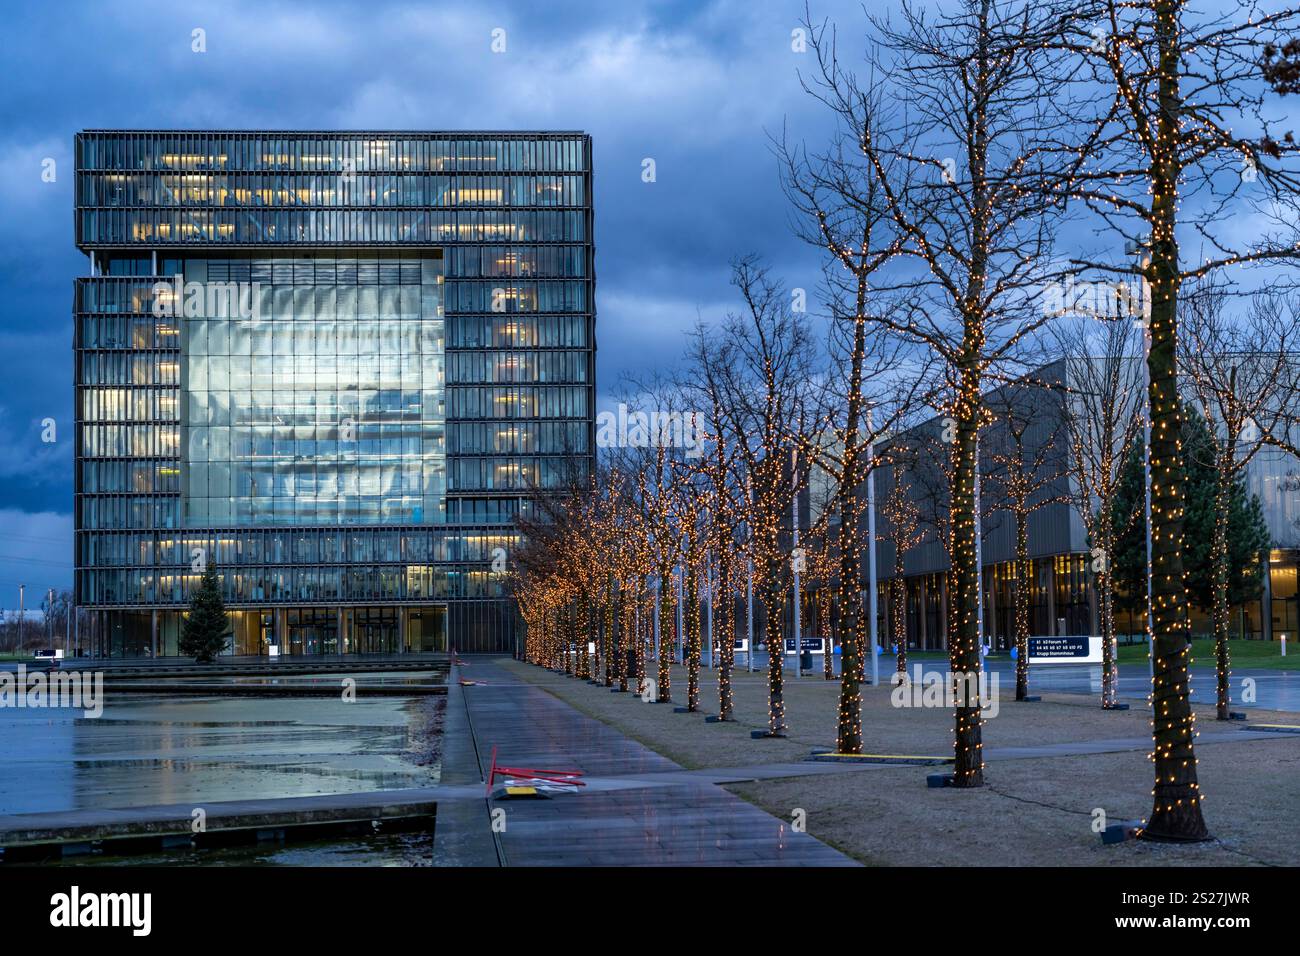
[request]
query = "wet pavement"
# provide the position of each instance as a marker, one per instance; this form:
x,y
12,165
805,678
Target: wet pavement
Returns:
x,y
152,750
690,822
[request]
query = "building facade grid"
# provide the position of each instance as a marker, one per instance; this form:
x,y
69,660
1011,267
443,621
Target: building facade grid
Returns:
x,y
406,356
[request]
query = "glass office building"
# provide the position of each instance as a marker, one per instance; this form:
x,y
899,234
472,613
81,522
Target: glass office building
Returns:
x,y
337,365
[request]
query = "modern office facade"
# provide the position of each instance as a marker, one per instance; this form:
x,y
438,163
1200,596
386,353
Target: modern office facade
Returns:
x,y
1063,597
337,365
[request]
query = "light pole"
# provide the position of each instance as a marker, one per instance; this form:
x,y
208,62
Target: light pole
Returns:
x,y
979,547
749,611
659,591
1145,325
708,611
681,618
871,557
794,560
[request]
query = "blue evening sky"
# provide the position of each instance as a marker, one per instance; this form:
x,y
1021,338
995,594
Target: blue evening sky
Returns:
x,y
694,85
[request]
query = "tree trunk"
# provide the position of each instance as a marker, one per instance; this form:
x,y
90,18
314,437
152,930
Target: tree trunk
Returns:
x,y
1023,566
824,630
724,631
640,621
598,635
667,626
899,587
569,630
963,632
692,602
552,641
1176,810
774,612
1109,666
848,739
849,733
607,639
627,636
584,637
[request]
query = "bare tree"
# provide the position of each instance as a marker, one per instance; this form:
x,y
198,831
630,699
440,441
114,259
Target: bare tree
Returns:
x,y
716,464
1237,369
957,159
904,530
761,367
663,461
1103,418
844,213
1179,143
1027,471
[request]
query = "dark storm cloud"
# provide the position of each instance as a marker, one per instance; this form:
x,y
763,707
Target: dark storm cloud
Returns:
x,y
696,87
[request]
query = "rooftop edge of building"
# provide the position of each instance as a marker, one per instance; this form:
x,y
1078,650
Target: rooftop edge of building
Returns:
x,y
471,133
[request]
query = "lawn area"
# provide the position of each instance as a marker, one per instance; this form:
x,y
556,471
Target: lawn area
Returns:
x,y
1266,655
1262,654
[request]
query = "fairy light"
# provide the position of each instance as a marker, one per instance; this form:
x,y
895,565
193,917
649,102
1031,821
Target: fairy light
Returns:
x,y
903,520
968,745
1176,795
1165,139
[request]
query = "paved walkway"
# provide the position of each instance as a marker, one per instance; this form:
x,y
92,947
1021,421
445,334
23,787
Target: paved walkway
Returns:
x,y
658,813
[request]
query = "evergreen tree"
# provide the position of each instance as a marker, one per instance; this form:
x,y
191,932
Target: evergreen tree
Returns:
x,y
1128,521
206,630
1248,533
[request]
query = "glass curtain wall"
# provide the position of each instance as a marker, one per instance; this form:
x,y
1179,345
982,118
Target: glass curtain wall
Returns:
x,y
325,404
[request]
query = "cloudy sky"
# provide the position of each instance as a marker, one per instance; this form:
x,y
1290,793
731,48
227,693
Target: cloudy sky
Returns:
x,y
697,86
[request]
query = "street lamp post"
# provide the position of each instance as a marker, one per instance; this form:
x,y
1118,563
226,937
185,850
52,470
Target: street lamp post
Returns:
x,y
708,595
681,618
749,611
871,556
1145,325
794,561
979,546
659,590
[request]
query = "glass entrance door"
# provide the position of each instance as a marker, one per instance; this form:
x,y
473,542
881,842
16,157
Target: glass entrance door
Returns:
x,y
426,629
375,630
